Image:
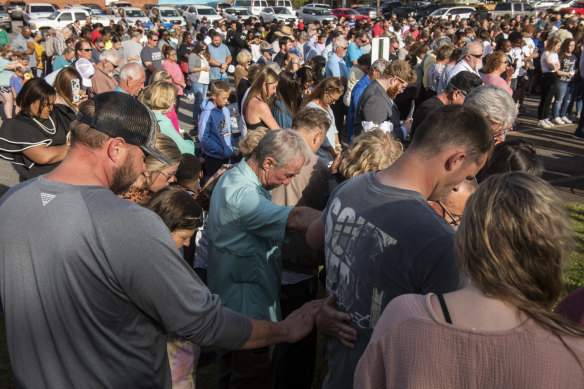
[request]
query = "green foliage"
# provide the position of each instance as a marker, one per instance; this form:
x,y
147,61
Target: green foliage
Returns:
x,y
574,275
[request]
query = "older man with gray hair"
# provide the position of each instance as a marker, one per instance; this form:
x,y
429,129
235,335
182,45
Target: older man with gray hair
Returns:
x,y
245,230
497,107
132,78
471,61
103,78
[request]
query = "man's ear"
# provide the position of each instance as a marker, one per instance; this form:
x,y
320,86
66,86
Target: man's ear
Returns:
x,y
455,161
117,150
269,162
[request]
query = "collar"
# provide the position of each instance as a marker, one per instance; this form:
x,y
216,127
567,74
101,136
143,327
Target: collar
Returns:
x,y
249,174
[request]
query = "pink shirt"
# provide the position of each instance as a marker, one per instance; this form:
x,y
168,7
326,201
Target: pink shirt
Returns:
x,y
177,76
173,118
497,81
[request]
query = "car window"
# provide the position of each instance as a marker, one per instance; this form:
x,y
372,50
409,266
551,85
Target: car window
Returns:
x,y
53,16
169,13
41,8
269,9
527,7
207,11
66,17
503,7
440,12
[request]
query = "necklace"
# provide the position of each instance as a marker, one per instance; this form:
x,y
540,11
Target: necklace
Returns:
x,y
50,131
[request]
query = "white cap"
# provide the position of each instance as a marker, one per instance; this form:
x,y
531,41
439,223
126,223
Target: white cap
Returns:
x,y
86,70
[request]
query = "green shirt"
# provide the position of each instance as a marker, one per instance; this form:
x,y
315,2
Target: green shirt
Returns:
x,y
185,146
245,229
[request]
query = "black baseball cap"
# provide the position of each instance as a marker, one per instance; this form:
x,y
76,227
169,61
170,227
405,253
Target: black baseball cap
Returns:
x,y
119,114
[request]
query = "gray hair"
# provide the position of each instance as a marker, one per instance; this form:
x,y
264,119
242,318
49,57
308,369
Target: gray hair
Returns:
x,y
380,65
275,67
66,30
68,50
284,146
469,45
339,41
109,56
136,34
495,104
131,70
303,35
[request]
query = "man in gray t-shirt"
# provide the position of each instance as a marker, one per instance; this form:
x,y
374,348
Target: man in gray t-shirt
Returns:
x,y
382,239
151,55
91,283
132,49
20,46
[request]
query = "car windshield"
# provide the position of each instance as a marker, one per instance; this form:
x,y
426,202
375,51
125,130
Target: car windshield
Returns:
x,y
282,10
2,8
578,5
17,4
439,12
135,13
351,12
207,11
54,15
42,8
168,13
240,12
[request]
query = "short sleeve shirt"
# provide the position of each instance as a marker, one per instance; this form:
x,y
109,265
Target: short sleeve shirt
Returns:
x,y
245,230
19,43
336,67
218,54
353,54
153,55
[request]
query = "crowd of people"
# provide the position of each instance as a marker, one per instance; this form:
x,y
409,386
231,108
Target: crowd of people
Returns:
x,y
385,178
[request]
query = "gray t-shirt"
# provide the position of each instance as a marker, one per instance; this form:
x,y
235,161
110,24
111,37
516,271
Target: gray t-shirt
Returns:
x,y
131,49
91,285
381,242
19,43
153,55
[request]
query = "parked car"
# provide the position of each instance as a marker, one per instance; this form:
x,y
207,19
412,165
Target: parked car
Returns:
x,y
112,8
5,21
271,14
37,10
315,14
16,9
367,11
512,9
575,9
94,9
387,6
219,7
349,13
169,17
195,13
317,5
463,12
63,17
544,5
285,3
129,17
255,6
235,14
405,11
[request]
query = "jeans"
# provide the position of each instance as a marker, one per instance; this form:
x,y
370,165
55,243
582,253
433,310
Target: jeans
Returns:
x,y
562,95
548,88
577,89
200,91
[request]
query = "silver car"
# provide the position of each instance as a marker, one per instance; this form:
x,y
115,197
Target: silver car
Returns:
x,y
5,22
315,14
235,14
270,14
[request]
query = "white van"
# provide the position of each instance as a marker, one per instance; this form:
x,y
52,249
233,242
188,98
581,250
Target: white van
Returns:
x,y
255,6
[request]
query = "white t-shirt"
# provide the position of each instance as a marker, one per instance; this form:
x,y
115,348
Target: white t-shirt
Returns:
x,y
554,59
204,75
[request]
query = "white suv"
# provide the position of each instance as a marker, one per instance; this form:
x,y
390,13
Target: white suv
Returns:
x,y
195,13
37,11
255,6
168,16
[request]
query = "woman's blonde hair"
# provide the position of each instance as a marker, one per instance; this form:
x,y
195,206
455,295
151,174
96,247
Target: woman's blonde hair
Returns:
x,y
251,140
243,57
267,76
159,75
167,146
513,241
551,44
493,61
160,95
330,85
372,150
5,49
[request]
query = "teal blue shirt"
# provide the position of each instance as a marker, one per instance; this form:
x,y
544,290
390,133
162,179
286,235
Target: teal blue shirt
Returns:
x,y
245,229
5,74
166,128
60,62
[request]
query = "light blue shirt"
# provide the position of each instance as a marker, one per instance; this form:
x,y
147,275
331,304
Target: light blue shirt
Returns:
x,y
185,146
218,54
336,67
353,54
245,229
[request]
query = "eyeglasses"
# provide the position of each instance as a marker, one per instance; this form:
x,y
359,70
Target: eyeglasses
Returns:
x,y
154,40
114,65
402,83
478,56
345,48
168,176
455,220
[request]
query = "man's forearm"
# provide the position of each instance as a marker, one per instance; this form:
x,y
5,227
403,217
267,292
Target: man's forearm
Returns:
x,y
265,333
300,218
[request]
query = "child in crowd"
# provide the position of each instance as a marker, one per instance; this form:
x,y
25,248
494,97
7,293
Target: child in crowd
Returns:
x,y
17,81
215,129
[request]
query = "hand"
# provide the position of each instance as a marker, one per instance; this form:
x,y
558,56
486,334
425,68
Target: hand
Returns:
x,y
509,71
206,68
301,321
332,322
336,163
408,125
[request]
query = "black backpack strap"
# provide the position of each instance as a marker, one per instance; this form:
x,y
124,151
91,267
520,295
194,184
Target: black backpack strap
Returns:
x,y
444,308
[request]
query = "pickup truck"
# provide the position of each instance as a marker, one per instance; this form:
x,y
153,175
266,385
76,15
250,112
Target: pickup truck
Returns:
x,y
63,17
129,17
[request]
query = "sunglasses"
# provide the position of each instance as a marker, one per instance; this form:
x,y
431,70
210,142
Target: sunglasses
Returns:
x,y
86,50
476,55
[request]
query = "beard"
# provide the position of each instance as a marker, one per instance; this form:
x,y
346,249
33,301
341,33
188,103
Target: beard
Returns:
x,y
124,177
393,91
